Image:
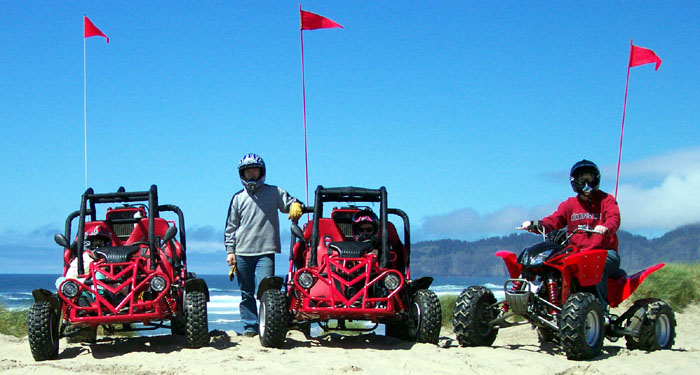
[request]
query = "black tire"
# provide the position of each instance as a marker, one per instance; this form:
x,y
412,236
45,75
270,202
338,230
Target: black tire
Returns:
x,y
425,317
658,326
42,329
178,325
196,324
274,318
546,335
582,327
398,330
474,309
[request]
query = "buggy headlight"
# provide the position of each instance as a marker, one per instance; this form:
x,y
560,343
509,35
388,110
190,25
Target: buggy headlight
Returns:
x,y
158,283
392,281
305,280
69,289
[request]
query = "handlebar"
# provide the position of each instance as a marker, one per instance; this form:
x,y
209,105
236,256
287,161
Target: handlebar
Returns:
x,y
540,229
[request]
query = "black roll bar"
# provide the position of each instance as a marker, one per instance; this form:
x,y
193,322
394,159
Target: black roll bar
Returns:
x,y
350,194
89,198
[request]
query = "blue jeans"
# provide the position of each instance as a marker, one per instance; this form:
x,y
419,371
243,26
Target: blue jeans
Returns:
x,y
251,270
612,264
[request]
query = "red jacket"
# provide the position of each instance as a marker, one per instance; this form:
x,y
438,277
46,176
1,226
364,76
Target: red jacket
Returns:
x,y
574,212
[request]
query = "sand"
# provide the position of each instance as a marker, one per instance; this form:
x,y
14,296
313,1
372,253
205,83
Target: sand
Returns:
x,y
516,351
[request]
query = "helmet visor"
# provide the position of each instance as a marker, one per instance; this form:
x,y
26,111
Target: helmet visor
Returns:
x,y
585,178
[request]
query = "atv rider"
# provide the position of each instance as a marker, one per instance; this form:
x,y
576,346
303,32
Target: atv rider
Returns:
x,y
252,235
365,225
593,209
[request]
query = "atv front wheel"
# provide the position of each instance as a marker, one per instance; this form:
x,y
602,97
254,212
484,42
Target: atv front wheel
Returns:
x,y
657,326
196,324
582,327
425,316
273,318
42,329
474,309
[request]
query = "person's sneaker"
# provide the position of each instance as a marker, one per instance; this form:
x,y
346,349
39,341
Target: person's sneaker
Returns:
x,y
250,333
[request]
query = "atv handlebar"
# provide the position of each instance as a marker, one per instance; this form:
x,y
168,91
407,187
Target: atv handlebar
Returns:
x,y
559,238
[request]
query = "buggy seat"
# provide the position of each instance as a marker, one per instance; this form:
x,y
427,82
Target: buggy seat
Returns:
x,y
116,254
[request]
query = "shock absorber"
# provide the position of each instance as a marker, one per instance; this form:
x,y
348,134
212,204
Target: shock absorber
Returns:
x,y
553,288
514,288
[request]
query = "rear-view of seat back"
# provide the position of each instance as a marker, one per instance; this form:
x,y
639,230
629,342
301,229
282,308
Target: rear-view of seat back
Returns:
x,y
327,232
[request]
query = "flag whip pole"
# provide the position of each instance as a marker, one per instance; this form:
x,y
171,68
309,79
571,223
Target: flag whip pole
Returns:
x,y
85,110
303,95
622,131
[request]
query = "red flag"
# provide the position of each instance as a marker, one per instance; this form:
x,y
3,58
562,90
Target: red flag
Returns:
x,y
312,21
641,56
92,30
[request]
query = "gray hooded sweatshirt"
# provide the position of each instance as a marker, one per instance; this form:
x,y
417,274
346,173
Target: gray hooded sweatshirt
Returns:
x,y
252,225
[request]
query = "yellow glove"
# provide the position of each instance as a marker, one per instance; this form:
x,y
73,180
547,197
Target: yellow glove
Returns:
x,y
233,272
295,211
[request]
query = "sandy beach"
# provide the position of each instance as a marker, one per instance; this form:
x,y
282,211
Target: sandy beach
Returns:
x,y
515,349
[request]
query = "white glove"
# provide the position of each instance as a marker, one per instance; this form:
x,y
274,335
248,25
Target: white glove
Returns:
x,y
526,224
602,229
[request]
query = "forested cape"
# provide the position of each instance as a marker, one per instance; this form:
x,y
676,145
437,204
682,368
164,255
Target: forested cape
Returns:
x,y
463,258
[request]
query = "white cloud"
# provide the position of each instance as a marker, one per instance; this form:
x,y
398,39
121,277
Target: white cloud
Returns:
x,y
668,204
466,223
662,194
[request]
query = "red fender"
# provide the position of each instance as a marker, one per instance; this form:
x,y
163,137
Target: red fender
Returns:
x,y
620,289
511,260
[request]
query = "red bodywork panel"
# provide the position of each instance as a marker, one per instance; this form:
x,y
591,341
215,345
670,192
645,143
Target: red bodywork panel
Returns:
x,y
620,289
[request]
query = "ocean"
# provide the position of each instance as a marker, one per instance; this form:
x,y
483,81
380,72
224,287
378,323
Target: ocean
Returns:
x,y
222,309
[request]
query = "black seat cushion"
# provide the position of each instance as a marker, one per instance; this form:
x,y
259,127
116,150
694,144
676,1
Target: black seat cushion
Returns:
x,y
350,249
116,254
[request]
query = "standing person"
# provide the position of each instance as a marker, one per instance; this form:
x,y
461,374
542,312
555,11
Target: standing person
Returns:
x,y
591,208
252,235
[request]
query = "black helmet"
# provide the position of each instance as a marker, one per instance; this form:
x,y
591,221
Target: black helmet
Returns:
x,y
584,186
251,161
364,216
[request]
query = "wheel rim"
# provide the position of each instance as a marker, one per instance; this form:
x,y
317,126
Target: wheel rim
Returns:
x,y
261,317
592,328
662,329
414,318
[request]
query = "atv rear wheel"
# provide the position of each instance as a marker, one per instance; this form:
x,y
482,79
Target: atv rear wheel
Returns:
x,y
42,329
273,317
657,326
582,327
474,309
425,317
196,322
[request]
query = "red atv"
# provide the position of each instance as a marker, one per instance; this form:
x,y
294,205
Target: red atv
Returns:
x,y
552,287
333,277
138,275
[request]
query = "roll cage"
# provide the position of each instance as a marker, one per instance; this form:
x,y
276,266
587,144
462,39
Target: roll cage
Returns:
x,y
88,203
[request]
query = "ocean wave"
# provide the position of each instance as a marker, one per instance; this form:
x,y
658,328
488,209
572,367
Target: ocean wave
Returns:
x,y
224,321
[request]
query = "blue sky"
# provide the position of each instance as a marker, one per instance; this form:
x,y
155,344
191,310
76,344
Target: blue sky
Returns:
x,y
470,113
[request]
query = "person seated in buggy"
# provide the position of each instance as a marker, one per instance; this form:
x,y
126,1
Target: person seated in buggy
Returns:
x,y
365,229
94,239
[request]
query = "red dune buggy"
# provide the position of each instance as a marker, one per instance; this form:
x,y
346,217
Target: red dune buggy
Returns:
x,y
334,277
138,274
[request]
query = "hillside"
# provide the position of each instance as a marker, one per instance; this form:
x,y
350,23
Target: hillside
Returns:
x,y
463,258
